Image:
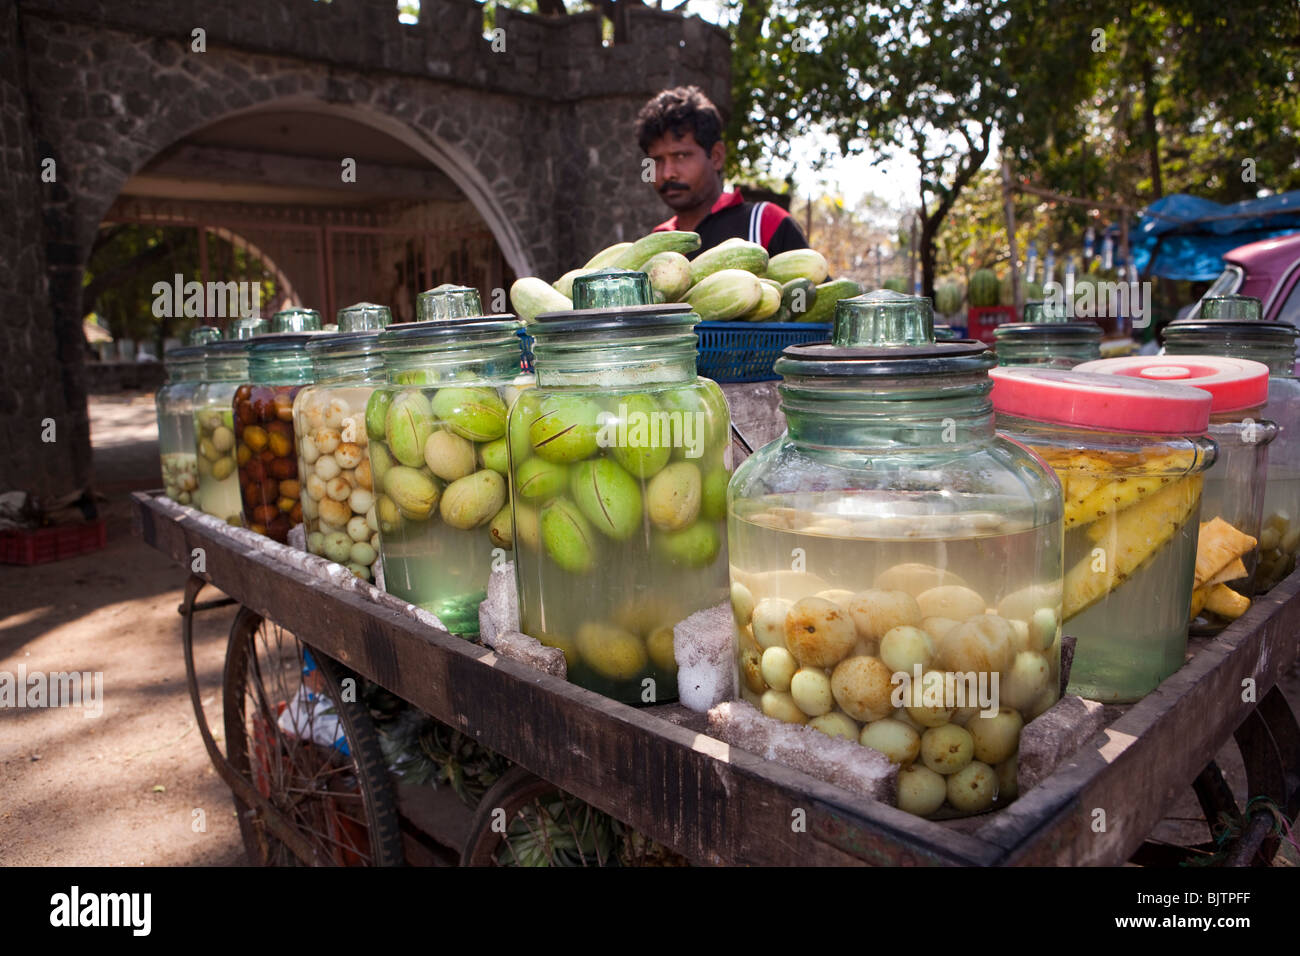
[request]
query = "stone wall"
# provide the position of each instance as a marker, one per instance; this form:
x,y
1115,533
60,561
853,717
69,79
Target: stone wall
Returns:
x,y
538,135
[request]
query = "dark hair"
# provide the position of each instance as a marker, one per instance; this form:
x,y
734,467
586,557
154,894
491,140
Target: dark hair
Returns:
x,y
682,110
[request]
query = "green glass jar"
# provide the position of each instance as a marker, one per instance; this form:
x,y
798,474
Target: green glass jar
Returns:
x,y
225,369
895,563
279,366
447,302
611,288
619,467
438,457
1047,337
364,317
296,320
175,406
338,498
246,328
1230,327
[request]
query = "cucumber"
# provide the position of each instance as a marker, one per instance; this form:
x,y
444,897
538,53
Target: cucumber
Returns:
x,y
606,257
747,256
797,297
670,275
798,264
647,247
768,304
829,293
725,295
531,296
564,284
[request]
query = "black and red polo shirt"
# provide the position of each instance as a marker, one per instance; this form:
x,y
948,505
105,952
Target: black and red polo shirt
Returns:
x,y
731,216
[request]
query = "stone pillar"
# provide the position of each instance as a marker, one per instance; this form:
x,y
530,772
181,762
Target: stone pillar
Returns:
x,y
41,382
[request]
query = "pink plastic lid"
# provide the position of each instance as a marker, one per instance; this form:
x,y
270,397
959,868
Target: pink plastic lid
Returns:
x,y
1111,402
1233,383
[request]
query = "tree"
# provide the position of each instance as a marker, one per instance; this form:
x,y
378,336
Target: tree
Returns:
x,y
936,80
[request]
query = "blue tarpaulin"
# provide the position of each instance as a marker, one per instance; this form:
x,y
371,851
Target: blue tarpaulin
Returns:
x,y
1185,237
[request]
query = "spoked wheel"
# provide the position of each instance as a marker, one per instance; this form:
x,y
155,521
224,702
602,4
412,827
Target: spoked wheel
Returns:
x,y
524,820
310,749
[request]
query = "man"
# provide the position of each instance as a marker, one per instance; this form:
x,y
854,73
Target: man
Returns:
x,y
681,130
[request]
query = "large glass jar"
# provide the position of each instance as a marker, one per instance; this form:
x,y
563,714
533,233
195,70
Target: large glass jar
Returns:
x,y
338,499
278,366
1232,499
1130,455
895,563
1047,337
175,407
1240,334
438,456
619,470
225,369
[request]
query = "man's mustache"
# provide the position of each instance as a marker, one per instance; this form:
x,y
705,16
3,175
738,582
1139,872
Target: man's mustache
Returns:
x,y
673,187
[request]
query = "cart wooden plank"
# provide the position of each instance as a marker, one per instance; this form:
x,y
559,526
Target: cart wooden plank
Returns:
x,y
689,791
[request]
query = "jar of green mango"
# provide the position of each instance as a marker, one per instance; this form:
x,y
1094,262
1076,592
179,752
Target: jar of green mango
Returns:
x,y
175,407
337,486
619,470
438,460
225,368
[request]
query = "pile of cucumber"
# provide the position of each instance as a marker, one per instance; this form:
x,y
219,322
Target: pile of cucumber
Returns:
x,y
734,281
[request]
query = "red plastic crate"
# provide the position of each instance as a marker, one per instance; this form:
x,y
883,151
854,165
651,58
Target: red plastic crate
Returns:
x,y
980,322
42,545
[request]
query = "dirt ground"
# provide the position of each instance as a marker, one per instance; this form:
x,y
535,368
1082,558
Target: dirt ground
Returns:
x,y
134,786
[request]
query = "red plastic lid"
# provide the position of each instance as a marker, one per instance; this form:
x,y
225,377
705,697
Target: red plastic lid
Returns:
x,y
1233,383
1109,402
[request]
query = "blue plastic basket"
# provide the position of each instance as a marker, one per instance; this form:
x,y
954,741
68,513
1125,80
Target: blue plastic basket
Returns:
x,y
746,351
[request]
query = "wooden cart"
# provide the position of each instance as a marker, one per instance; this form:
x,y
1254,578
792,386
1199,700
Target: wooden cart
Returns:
x,y
656,770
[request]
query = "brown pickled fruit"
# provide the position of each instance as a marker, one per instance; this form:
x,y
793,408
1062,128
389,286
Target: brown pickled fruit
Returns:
x,y
268,473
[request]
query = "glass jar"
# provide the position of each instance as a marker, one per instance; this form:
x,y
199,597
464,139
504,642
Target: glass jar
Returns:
x,y
296,320
447,301
1130,454
333,455
438,455
1232,499
246,328
225,368
364,317
202,335
895,563
1054,344
278,368
619,470
175,406
1239,334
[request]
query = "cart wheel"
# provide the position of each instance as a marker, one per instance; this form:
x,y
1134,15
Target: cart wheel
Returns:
x,y
311,751
524,820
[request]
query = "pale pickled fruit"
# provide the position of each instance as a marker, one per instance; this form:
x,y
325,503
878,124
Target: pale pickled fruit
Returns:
x,y
904,648
835,724
611,651
950,600
781,706
981,644
877,611
449,456
947,749
862,688
973,788
1028,677
1044,627
915,578
839,596
896,740
742,604
819,633
811,690
937,627
921,791
673,496
997,737
778,667
659,643
927,701
1022,604
769,621
751,671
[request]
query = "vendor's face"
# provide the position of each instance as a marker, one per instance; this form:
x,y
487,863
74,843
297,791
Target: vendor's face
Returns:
x,y
685,175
